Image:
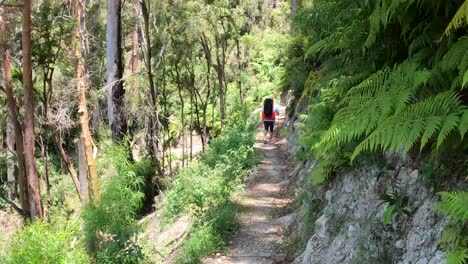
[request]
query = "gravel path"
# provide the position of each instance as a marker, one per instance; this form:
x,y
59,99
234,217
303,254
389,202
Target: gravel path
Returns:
x,y
260,236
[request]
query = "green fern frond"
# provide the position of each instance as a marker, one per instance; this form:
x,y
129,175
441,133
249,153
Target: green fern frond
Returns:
x,y
456,55
433,125
375,25
454,238
454,205
456,83
459,19
465,79
426,38
324,46
464,123
402,130
458,256
368,104
450,237
450,123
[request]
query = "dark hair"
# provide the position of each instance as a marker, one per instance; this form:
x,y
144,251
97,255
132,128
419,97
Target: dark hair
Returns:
x,y
268,107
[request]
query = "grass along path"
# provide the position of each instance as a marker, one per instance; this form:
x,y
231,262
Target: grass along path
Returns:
x,y
260,237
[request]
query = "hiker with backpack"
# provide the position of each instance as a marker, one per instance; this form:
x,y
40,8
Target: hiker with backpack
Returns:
x,y
269,118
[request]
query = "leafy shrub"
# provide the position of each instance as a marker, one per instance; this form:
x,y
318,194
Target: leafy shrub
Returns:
x,y
204,188
396,206
110,226
208,235
42,242
210,181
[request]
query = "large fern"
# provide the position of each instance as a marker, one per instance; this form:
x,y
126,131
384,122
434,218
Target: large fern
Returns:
x,y
454,238
368,104
396,84
434,117
455,205
456,58
460,19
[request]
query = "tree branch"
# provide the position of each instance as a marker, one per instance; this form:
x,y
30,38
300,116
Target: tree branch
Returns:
x,y
3,89
12,204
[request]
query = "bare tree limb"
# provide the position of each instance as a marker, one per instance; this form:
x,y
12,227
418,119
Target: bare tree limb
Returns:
x,y
14,206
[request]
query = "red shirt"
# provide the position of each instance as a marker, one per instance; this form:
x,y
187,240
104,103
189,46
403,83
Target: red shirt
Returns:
x,y
271,118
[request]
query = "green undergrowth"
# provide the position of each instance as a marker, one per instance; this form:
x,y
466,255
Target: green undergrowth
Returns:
x,y
103,233
454,238
205,188
110,227
42,242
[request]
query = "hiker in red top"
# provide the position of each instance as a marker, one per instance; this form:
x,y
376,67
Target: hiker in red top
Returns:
x,y
268,118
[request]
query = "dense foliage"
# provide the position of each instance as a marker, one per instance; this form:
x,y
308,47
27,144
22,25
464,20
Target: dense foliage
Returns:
x,y
383,77
370,77
191,69
110,227
205,188
47,243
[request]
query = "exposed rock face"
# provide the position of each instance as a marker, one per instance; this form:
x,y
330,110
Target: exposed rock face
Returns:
x,y
345,217
349,229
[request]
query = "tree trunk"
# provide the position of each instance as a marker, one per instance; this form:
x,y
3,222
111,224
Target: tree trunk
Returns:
x,y
182,115
14,117
44,139
191,123
67,161
154,119
114,87
35,202
239,73
10,141
80,55
219,71
45,161
135,60
293,6
207,51
83,169
197,116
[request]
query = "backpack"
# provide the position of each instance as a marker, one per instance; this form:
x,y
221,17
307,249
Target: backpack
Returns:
x,y
268,107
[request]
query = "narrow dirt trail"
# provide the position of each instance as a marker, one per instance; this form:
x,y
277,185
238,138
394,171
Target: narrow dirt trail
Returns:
x,y
260,236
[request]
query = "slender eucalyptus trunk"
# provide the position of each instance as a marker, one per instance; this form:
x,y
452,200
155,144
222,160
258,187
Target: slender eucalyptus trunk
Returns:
x,y
44,139
191,123
239,73
182,114
114,87
45,161
197,116
35,202
83,170
13,106
135,59
80,54
10,142
153,117
219,71
207,51
293,6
